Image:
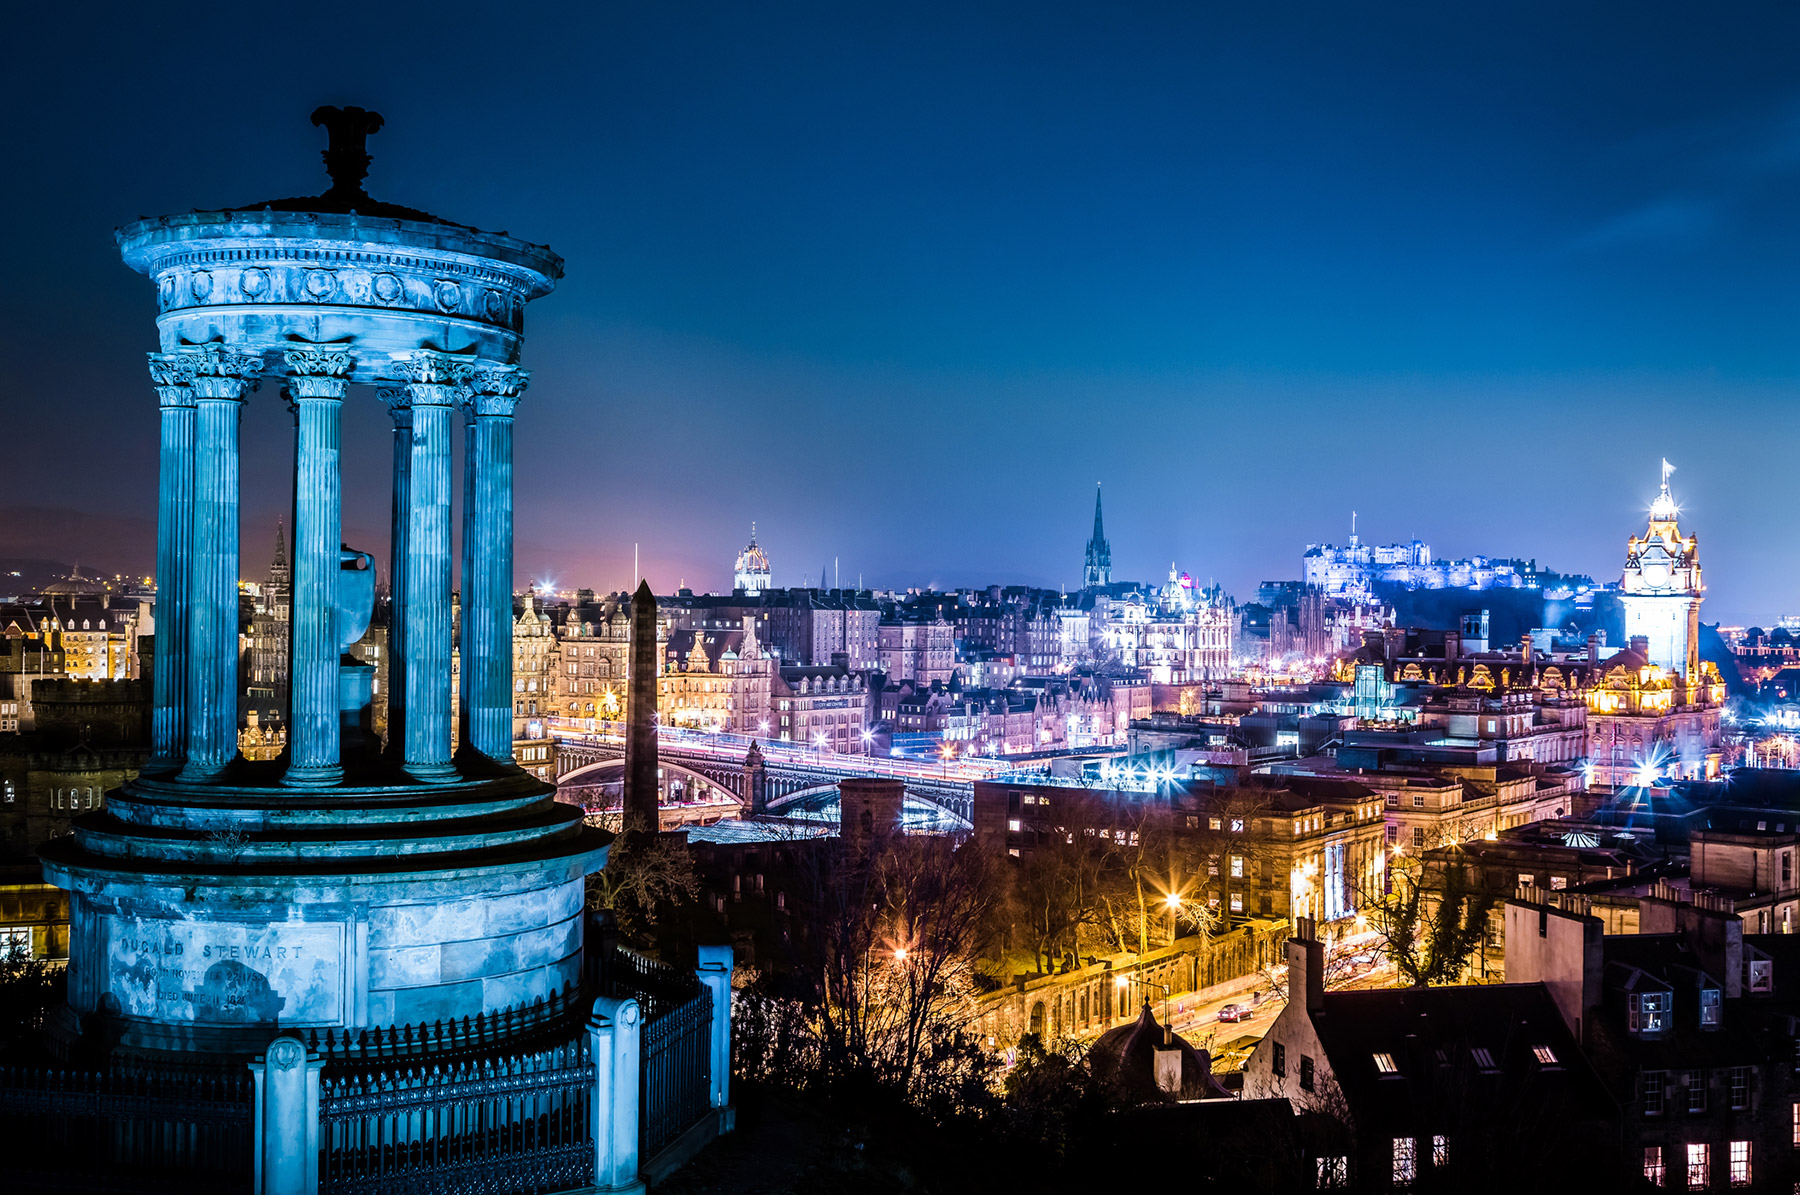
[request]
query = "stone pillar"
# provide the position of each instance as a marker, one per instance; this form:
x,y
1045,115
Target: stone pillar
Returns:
x,y
286,1119
435,383
399,404
641,803
172,375
487,586
221,376
465,570
615,1039
714,969
316,385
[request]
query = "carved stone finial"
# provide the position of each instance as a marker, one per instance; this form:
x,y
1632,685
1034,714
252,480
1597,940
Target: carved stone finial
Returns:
x,y
346,153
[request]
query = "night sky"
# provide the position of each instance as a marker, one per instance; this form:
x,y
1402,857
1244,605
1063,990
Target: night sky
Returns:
x,y
902,282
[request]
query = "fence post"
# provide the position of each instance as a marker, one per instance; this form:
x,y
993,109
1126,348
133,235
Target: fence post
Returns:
x,y
615,1033
285,1131
714,970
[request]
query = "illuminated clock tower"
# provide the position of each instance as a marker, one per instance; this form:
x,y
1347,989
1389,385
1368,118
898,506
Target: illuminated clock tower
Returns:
x,y
1662,589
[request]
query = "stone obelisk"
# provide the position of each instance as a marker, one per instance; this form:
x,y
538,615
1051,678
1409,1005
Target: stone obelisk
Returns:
x,y
640,802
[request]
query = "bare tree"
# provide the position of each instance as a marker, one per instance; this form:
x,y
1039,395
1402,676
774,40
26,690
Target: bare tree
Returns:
x,y
1431,916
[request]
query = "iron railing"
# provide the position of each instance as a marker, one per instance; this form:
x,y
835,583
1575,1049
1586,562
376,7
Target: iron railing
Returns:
x,y
507,1122
675,1077
133,1126
551,1018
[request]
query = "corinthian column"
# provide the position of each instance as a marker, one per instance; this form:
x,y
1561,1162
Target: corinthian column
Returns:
x,y
316,384
435,383
487,593
221,376
174,544
399,404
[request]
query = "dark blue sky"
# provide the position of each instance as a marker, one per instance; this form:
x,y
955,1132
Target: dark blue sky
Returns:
x,y
901,282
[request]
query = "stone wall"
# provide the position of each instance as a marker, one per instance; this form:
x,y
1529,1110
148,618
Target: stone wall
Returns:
x,y
1091,999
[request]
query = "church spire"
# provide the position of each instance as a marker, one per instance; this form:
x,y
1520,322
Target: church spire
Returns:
x,y
1097,569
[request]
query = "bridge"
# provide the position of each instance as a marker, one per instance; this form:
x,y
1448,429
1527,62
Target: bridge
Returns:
x,y
712,765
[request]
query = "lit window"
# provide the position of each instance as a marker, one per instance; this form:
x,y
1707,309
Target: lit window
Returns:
x,y
1334,1172
1012,824
1709,1006
1237,902
1237,825
1653,1165
1237,866
1418,800
1212,823
1762,978
1698,1160
1647,1012
1483,1059
1740,1164
1406,1161
1440,1150
1384,1064
1545,1055
1418,837
15,940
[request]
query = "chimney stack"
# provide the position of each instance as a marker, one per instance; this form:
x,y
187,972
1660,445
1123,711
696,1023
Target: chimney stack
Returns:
x,y
1306,967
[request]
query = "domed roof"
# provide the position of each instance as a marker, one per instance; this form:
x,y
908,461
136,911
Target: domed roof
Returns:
x,y
1127,1057
76,584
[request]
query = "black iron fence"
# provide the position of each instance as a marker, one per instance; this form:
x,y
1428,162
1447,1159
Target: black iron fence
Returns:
x,y
507,1121
544,1019
134,1126
675,1075
675,1080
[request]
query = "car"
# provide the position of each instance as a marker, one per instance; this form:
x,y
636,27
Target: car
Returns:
x,y
1234,1012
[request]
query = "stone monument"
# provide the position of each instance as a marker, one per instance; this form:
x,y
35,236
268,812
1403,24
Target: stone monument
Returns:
x,y
217,902
641,804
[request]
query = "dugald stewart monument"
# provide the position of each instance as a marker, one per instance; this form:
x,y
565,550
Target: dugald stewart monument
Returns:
x,y
350,968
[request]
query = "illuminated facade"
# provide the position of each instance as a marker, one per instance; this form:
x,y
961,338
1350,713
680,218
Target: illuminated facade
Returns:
x,y
1654,710
716,679
752,574
1663,590
1174,644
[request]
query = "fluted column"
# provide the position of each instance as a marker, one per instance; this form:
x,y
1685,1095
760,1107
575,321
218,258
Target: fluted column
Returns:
x,y
466,568
172,376
316,384
435,382
399,404
487,598
221,376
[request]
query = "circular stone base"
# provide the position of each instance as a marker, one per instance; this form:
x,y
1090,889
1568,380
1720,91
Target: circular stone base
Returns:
x,y
207,918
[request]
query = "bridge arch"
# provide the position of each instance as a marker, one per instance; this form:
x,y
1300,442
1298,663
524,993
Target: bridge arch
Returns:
x,y
956,815
604,771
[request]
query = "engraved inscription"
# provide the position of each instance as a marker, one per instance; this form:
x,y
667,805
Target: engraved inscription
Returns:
x,y
221,973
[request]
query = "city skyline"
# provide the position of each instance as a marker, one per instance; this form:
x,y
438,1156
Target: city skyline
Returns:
x,y
902,287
